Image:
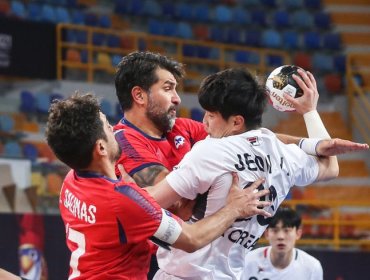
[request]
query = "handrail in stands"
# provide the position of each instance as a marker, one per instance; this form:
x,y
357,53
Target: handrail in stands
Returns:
x,y
336,221
159,44
358,66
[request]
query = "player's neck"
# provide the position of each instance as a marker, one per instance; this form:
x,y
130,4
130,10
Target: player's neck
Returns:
x,y
141,121
280,260
103,167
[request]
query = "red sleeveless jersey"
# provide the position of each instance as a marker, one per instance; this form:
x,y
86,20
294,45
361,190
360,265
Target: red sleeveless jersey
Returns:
x,y
140,150
108,224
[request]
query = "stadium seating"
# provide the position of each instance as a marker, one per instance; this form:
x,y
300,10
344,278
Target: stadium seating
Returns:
x,y
4,7
18,9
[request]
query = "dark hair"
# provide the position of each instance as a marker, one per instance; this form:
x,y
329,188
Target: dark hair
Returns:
x,y
72,129
138,69
234,92
288,216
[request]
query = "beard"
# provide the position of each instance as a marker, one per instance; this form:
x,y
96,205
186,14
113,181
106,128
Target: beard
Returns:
x,y
116,155
163,120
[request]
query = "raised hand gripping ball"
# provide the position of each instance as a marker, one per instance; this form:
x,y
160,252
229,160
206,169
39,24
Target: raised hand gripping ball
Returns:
x,y
281,81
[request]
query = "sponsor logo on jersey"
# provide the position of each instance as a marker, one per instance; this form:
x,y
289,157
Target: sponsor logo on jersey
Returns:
x,y
254,141
179,141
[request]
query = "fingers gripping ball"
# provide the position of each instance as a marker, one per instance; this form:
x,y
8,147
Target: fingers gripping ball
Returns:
x,y
281,81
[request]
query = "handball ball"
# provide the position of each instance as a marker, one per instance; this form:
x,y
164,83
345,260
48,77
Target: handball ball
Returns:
x,y
281,81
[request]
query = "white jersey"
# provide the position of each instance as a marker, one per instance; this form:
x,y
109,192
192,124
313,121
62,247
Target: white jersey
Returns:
x,y
206,170
258,266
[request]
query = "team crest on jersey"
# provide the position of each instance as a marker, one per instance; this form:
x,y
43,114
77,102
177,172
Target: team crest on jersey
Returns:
x,y
254,141
179,141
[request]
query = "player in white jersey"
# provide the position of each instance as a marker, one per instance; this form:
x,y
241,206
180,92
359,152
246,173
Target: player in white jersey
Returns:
x,y
280,260
234,103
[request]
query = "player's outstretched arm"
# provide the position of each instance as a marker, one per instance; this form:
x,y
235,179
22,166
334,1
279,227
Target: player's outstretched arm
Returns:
x,y
241,203
337,146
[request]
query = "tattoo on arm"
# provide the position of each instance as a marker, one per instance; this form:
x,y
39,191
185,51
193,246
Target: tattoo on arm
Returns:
x,y
150,175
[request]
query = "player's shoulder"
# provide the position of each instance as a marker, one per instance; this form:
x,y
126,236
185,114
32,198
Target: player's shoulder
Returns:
x,y
308,259
259,252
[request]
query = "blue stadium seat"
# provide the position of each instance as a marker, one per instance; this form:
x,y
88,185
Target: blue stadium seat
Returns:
x,y
151,8
292,4
253,38
105,21
30,152
168,9
312,4
201,13
71,3
250,3
62,15
34,11
217,34
170,28
184,11
28,103
42,103
233,36
196,114
189,50
281,19
322,20
136,7
223,14
155,27
271,39
98,39
18,9
184,30
340,63
203,52
312,40
274,60
12,149
259,17
241,56
91,19
84,56
121,7
269,3
78,17
48,14
322,62
302,19
116,59
81,36
332,41
291,40
6,123
241,16
113,41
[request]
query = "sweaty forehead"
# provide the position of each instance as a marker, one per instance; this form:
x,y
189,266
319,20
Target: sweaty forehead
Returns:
x,y
165,76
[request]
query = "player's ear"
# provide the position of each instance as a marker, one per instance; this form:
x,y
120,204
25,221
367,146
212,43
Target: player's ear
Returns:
x,y
101,147
137,94
299,233
238,122
266,233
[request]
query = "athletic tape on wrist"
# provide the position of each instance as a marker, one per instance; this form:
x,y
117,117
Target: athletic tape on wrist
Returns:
x,y
315,126
309,145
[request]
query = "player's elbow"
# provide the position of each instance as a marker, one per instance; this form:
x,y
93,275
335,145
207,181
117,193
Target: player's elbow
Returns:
x,y
193,245
329,168
331,172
